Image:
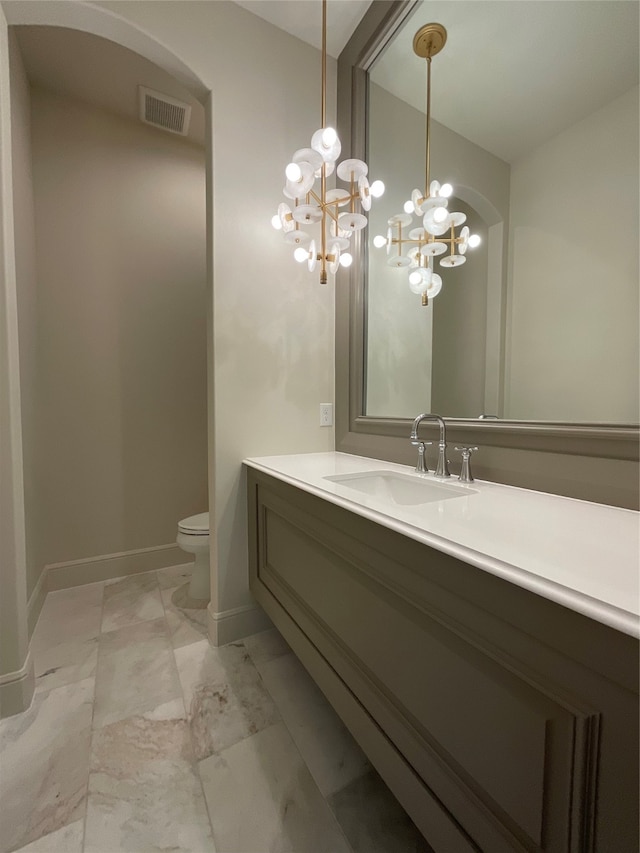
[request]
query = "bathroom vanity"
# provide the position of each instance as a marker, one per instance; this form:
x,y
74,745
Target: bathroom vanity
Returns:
x,y
480,642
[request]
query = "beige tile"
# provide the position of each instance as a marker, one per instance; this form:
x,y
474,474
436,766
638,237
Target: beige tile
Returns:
x,y
63,663
262,799
373,820
136,673
70,615
186,625
144,789
69,839
331,753
224,695
173,576
266,646
45,764
64,645
130,600
134,635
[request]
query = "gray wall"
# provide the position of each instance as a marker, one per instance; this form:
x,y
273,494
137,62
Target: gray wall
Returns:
x,y
459,330
120,225
573,297
272,324
399,328
570,215
27,293
16,675
429,358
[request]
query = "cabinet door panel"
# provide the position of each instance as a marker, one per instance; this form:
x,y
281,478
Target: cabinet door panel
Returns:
x,y
446,701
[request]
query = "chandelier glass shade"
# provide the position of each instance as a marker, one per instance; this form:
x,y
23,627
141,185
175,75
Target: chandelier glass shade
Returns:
x,y
440,233
319,222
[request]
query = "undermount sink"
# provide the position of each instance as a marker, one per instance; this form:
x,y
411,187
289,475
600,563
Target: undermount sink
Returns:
x,y
400,489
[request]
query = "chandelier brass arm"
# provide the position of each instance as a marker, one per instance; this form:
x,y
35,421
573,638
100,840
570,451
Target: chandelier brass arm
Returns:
x,y
321,208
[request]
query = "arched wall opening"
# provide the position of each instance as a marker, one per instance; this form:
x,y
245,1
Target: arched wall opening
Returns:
x,y
16,673
102,22
272,350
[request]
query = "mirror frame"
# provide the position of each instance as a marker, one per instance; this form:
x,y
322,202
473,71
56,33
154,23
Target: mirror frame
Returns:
x,y
387,438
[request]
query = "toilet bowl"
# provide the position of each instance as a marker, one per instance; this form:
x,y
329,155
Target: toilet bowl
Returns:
x,y
193,537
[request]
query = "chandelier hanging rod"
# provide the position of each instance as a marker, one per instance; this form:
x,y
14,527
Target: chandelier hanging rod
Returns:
x,y
323,103
427,42
431,205
323,176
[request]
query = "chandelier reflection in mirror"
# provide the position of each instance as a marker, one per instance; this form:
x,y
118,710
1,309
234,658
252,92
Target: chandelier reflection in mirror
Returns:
x,y
337,211
414,248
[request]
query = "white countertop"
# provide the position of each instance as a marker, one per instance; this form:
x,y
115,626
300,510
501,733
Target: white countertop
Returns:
x,y
585,556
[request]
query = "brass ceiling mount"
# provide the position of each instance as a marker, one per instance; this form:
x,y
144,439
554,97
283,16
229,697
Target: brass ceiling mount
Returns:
x,y
429,40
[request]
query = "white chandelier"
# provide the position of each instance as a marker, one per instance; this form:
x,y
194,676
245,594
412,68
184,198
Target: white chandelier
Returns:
x,y
321,206
437,233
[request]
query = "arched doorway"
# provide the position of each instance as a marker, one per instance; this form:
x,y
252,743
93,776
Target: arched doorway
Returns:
x,y
16,675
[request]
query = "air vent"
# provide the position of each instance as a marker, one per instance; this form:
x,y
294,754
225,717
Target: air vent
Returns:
x,y
164,112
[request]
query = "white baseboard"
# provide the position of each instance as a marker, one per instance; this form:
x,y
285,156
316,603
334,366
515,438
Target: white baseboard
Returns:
x,y
108,566
16,689
36,600
228,626
104,567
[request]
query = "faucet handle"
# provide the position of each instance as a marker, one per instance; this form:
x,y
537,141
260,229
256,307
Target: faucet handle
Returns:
x,y
421,466
465,471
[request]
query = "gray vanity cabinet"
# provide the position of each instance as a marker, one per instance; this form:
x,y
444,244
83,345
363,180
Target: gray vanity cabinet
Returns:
x,y
501,721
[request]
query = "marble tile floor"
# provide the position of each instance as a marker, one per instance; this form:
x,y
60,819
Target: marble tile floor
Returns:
x,y
143,737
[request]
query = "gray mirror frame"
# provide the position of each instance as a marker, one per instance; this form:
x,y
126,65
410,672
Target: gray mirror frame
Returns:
x,y
515,452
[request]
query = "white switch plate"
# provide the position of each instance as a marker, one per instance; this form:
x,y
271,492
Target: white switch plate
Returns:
x,y
326,414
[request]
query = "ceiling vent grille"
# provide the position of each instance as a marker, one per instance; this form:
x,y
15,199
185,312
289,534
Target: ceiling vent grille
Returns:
x,y
164,112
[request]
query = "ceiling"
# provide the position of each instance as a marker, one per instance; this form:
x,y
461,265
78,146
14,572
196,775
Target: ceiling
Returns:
x,y
99,72
96,71
303,19
514,74
511,74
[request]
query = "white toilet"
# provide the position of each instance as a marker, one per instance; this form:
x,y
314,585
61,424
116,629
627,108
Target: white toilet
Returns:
x,y
193,537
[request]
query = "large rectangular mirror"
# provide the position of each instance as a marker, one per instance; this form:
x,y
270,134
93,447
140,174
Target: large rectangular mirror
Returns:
x,y
566,320
534,121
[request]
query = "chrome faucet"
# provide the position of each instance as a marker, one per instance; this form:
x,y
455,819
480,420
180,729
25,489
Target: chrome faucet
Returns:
x,y
442,468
